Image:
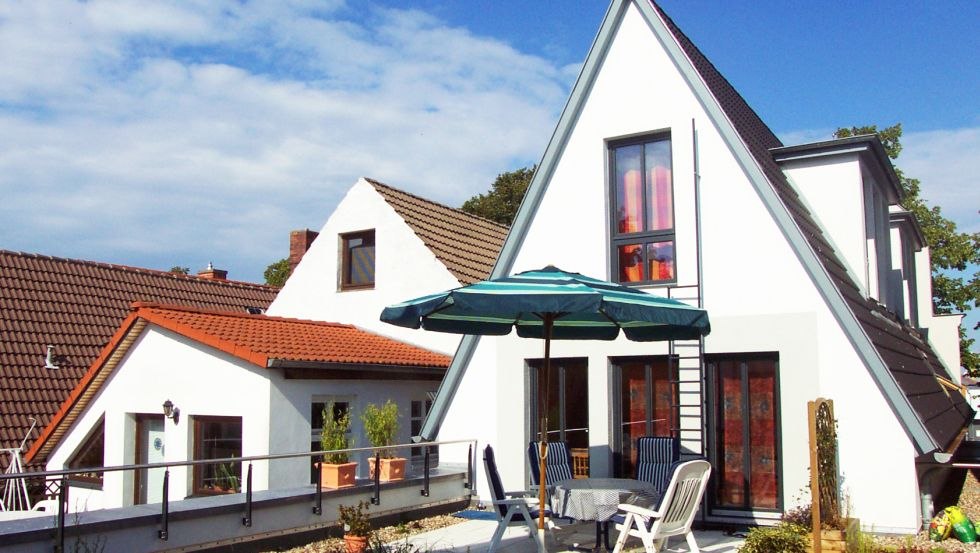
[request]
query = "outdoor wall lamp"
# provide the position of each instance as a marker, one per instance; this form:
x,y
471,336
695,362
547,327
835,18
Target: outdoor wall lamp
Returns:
x,y
170,411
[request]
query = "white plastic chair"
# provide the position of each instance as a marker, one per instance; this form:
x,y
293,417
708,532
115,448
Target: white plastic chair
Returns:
x,y
673,516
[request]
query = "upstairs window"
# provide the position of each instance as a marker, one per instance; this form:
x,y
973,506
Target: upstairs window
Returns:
x,y
357,264
643,211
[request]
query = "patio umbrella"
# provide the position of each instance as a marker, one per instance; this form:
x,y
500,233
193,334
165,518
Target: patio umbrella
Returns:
x,y
554,305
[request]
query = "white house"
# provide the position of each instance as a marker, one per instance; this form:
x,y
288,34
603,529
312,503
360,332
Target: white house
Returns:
x,y
239,384
660,175
381,246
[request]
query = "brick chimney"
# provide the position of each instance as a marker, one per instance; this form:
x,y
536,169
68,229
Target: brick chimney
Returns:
x,y
211,273
299,242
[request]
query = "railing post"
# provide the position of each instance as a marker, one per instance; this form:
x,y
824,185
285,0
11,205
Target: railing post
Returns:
x,y
425,475
318,507
469,469
164,532
376,500
247,519
59,544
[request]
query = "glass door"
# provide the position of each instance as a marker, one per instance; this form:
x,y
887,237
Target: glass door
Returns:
x,y
645,405
744,420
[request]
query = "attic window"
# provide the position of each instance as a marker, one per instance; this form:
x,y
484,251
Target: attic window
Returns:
x,y
357,260
642,206
90,454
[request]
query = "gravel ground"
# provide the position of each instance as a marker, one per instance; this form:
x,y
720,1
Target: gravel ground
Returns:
x,y
969,501
387,534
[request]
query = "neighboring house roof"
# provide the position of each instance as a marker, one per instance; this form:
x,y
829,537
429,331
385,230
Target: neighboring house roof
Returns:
x,y
267,342
76,306
466,244
901,362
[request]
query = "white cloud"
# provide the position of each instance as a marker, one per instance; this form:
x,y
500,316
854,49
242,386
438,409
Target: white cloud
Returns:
x,y
165,134
945,163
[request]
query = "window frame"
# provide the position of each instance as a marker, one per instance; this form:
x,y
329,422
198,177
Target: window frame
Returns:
x,y
650,363
646,237
712,362
558,375
345,260
197,485
92,480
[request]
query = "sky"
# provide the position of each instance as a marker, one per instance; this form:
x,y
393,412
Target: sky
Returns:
x,y
161,134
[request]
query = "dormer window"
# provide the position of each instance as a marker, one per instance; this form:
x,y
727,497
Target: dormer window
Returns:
x,y
642,210
357,260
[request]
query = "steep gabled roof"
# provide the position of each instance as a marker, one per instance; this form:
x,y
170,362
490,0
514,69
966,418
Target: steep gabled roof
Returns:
x,y
902,364
256,339
909,361
466,244
76,306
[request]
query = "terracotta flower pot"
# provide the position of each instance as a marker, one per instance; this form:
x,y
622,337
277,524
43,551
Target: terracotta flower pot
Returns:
x,y
337,476
391,469
355,544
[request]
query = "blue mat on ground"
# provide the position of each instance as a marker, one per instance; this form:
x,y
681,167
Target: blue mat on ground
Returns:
x,y
473,514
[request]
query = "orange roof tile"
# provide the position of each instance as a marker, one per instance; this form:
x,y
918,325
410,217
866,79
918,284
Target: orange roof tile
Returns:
x,y
260,338
256,339
466,244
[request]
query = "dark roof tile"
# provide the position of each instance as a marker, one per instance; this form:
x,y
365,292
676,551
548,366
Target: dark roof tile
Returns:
x,y
908,357
76,306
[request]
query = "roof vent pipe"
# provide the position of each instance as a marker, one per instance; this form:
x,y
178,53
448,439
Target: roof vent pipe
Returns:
x,y
49,359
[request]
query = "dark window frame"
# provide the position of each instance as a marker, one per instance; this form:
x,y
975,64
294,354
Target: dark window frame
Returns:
x,y
616,402
559,366
199,421
345,259
646,237
95,437
711,379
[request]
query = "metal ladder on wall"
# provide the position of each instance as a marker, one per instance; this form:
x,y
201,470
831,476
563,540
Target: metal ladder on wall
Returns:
x,y
687,357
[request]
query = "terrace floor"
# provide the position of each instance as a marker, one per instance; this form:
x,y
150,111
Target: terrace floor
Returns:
x,y
473,536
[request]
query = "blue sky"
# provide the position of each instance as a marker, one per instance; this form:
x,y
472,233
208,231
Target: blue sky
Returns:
x,y
160,134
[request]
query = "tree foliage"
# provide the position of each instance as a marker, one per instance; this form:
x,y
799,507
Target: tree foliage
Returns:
x,y
951,251
180,270
277,273
500,204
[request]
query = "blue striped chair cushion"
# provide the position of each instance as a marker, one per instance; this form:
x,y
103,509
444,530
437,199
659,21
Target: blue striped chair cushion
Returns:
x,y
558,465
655,455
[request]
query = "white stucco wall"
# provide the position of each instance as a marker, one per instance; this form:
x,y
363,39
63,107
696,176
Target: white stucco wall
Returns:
x,y
202,381
757,293
199,380
832,189
404,268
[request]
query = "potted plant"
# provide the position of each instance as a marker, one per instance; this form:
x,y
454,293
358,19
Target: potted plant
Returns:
x,y
381,427
336,470
356,527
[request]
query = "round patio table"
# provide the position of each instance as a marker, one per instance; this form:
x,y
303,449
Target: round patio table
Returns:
x,y
598,499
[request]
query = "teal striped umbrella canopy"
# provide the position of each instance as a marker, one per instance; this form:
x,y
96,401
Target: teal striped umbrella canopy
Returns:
x,y
581,307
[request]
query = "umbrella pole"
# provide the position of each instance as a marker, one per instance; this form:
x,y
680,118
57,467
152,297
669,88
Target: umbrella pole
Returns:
x,y
543,391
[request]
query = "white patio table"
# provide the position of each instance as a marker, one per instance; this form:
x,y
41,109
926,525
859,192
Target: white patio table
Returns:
x,y
598,499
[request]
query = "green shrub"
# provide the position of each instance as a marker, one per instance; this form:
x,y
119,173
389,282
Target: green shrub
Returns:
x,y
334,436
784,538
354,519
380,426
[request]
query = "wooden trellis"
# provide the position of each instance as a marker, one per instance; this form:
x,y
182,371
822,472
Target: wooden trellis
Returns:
x,y
825,507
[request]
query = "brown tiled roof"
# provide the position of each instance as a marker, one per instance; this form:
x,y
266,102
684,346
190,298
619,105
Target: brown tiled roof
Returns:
x,y
256,339
76,306
466,244
908,357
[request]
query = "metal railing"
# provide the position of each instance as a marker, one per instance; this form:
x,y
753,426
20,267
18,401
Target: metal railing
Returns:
x,y
63,481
